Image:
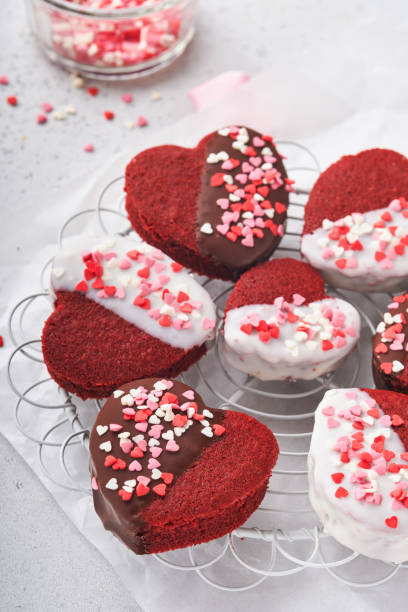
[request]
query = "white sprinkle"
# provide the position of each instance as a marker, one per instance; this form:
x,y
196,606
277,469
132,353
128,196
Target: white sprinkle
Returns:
x,y
101,429
206,228
112,484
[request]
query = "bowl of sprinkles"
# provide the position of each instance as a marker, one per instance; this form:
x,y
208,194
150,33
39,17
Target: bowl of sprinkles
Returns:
x,y
112,39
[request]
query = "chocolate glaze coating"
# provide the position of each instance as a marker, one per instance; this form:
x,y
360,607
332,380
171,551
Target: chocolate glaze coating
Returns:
x,y
123,518
392,381
232,254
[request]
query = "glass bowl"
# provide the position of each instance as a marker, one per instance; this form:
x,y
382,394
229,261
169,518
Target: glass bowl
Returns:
x,y
112,43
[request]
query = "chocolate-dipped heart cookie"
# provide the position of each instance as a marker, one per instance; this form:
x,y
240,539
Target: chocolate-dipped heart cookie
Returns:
x,y
123,309
169,472
218,208
390,347
358,471
356,222
280,324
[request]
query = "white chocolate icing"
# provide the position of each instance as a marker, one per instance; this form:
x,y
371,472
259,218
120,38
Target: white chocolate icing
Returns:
x,y
295,354
186,329
377,266
357,520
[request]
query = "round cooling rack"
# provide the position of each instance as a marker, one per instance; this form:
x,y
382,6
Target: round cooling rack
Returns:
x,y
283,537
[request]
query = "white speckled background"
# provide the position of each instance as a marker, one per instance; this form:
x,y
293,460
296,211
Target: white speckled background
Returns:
x,y
357,48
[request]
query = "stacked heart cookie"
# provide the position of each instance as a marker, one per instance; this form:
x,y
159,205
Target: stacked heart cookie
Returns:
x,y
123,309
280,324
358,471
218,208
169,472
356,222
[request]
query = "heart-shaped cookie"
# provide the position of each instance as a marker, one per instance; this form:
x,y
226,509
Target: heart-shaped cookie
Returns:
x,y
218,208
356,222
122,309
358,471
280,324
390,347
198,489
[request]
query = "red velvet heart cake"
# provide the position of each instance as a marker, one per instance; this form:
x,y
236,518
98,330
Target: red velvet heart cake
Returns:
x,y
280,324
168,472
218,208
390,347
358,471
356,222
123,309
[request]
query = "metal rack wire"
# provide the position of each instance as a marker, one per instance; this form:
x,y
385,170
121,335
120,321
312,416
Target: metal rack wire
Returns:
x,y
283,537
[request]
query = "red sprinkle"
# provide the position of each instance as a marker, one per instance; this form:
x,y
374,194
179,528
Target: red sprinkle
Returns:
x,y
1,341
4,80
109,115
141,121
41,118
392,522
341,492
93,91
12,100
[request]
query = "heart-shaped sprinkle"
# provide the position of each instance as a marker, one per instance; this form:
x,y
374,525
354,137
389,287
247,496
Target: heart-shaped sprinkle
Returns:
x,y
153,463
172,446
106,446
101,429
160,489
135,466
112,484
156,474
392,522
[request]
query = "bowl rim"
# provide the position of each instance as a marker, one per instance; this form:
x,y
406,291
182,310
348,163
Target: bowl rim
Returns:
x,y
131,12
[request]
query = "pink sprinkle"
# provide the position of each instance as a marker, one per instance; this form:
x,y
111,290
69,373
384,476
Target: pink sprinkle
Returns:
x,y
4,80
89,148
47,108
124,264
351,331
142,444
141,426
223,202
327,253
155,431
164,279
178,323
159,267
144,480
298,299
41,118
359,493
154,313
129,411
196,304
126,446
328,411
352,263
395,205
134,466
189,394
208,323
152,464
155,451
127,98
115,427
385,420
152,405
332,423
120,293
141,121
340,342
94,484
172,446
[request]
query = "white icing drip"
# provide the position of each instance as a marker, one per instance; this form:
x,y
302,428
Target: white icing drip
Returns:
x,y
68,270
356,523
389,274
288,356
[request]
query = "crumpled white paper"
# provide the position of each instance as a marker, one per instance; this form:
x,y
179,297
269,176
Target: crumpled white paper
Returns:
x,y
331,122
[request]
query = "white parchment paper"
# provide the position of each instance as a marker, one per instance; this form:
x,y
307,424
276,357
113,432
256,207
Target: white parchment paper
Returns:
x,y
330,118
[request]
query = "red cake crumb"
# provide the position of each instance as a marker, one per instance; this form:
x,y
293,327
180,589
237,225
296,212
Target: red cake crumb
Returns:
x,y
276,278
356,183
90,350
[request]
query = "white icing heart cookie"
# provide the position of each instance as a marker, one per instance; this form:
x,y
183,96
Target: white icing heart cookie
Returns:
x,y
358,471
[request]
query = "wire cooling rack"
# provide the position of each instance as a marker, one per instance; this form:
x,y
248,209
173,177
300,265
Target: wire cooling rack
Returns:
x,y
283,537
